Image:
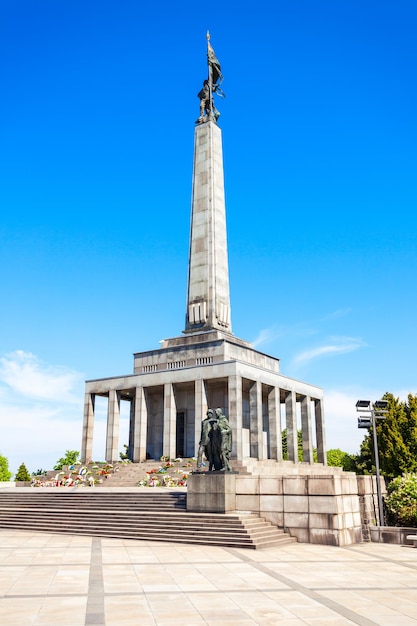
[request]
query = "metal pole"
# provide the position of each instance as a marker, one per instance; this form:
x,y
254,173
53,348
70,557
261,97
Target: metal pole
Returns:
x,y
210,78
378,479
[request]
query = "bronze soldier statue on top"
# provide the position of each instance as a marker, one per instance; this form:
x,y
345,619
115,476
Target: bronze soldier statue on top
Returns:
x,y
207,108
210,86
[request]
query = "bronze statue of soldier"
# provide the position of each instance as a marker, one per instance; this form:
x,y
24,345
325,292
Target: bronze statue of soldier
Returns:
x,y
215,442
226,440
207,108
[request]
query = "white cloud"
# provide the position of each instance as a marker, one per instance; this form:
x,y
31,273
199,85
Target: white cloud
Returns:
x,y
41,412
336,314
26,375
335,345
341,419
267,335
38,435
274,332
341,415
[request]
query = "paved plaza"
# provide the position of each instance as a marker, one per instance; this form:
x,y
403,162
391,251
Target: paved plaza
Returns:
x,y
49,580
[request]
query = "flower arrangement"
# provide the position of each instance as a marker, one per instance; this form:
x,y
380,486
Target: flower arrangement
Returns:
x,y
171,473
78,475
183,481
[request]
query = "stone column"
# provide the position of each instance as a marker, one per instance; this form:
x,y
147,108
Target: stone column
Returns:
x,y
306,429
140,420
320,431
88,428
200,410
274,414
235,414
256,425
131,428
291,426
170,422
113,421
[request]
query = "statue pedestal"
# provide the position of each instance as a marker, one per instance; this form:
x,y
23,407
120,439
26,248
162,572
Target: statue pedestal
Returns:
x,y
211,492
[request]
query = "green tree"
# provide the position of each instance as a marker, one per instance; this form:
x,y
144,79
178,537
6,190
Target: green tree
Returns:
x,y
397,440
363,461
5,475
393,440
70,458
337,458
124,456
22,473
300,446
410,429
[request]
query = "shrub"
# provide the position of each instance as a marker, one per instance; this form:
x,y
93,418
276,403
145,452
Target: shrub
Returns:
x,y
39,472
22,474
401,501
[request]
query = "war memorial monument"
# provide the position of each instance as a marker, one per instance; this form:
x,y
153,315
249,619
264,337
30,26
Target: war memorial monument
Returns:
x,y
207,372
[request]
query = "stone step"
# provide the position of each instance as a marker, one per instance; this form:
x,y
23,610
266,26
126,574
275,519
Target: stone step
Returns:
x,y
120,474
132,526
57,493
149,515
182,535
121,504
213,526
163,520
120,513
229,540
128,517
140,498
130,474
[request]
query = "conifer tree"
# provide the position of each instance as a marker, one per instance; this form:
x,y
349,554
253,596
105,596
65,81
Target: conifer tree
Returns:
x,y
397,440
22,474
411,431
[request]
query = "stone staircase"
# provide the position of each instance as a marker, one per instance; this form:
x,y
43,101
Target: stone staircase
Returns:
x,y
129,475
145,514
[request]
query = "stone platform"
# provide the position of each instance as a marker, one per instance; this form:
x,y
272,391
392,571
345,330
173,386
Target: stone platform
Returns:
x,y
66,580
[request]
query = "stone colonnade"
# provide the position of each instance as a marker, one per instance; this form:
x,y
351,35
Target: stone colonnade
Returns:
x,y
165,419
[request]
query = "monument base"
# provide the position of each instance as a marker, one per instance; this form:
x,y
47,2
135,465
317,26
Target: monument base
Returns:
x,y
315,507
211,492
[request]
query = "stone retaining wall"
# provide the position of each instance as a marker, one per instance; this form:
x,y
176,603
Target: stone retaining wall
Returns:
x,y
319,508
392,534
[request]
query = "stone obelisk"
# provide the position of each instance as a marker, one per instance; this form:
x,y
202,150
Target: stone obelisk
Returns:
x,y
208,296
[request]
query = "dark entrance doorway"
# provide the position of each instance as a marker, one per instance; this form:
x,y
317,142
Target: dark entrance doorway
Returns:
x,y
180,446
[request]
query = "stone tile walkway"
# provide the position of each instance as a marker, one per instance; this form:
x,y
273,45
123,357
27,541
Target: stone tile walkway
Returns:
x,y
54,580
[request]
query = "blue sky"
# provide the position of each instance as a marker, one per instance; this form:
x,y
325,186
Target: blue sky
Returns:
x,y
319,137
